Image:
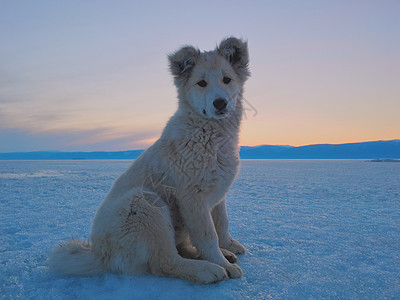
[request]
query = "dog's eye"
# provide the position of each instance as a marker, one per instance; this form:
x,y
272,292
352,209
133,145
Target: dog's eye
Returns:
x,y
226,80
202,83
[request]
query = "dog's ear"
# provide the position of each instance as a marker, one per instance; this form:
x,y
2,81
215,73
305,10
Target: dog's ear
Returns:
x,y
182,61
236,52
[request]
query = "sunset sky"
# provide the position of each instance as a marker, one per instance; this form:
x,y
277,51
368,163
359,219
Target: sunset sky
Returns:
x,y
93,75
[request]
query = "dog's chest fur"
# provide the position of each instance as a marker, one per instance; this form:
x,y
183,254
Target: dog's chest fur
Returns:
x,y
203,157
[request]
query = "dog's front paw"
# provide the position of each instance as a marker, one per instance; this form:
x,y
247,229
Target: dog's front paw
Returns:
x,y
233,270
232,258
211,274
234,247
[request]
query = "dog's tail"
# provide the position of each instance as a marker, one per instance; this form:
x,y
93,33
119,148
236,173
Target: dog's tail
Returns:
x,y
75,258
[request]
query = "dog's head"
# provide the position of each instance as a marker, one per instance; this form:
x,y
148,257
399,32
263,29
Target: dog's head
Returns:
x,y
211,82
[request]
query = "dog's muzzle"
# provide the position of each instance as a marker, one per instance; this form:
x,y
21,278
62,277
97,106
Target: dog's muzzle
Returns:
x,y
220,104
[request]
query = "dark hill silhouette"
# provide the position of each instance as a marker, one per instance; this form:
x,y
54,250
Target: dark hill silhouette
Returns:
x,y
365,150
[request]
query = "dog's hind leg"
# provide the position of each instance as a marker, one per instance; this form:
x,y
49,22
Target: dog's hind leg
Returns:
x,y
148,224
186,249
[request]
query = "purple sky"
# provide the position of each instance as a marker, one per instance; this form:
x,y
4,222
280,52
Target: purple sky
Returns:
x,y
93,75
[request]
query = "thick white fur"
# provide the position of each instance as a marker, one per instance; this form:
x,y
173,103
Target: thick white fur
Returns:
x,y
166,215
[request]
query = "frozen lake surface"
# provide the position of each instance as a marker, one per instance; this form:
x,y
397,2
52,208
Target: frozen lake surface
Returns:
x,y
313,229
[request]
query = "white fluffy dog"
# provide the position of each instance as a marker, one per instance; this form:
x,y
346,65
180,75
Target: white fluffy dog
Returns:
x,y
166,215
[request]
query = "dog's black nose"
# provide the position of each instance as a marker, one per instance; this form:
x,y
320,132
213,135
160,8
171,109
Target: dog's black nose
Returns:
x,y
220,103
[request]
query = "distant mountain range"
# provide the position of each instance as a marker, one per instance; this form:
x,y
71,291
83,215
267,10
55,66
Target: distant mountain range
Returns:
x,y
58,155
366,150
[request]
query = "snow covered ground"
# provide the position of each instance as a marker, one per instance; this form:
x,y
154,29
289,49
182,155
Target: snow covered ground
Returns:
x,y
314,229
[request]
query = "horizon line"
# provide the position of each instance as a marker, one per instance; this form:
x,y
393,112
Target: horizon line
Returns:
x,y
259,145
